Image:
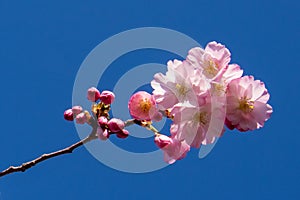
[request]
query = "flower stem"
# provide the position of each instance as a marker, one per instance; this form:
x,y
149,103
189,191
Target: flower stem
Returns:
x,y
145,124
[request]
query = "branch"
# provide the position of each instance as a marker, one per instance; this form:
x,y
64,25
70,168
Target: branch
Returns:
x,y
27,165
92,136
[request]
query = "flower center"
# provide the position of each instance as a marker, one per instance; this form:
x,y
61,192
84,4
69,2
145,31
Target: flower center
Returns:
x,y
218,88
202,118
145,105
211,68
181,89
245,105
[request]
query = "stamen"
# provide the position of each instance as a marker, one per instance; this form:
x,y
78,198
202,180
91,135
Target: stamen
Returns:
x,y
182,90
211,68
145,105
202,118
245,105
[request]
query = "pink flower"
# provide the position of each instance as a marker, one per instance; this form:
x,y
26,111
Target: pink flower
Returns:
x,y
76,110
68,115
229,73
102,134
181,83
93,94
173,148
81,118
191,123
211,60
142,107
115,125
247,107
107,97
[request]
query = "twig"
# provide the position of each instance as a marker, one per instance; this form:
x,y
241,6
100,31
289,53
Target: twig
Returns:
x,y
92,136
27,165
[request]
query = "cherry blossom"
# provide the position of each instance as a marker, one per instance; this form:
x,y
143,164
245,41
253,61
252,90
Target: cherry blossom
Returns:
x,y
200,95
142,106
173,148
247,107
191,123
176,85
211,60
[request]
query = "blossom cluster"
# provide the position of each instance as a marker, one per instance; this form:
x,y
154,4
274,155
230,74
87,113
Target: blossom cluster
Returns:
x,y
201,95
100,116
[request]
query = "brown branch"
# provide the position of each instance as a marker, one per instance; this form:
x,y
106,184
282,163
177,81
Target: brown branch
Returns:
x,y
27,165
92,136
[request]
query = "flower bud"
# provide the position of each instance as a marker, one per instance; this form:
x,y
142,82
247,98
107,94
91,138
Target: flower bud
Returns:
x,y
81,118
107,97
76,110
93,94
162,141
102,135
115,125
173,148
102,121
142,106
122,134
68,115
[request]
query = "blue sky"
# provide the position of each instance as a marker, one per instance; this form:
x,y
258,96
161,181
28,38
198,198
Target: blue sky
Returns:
x,y
42,45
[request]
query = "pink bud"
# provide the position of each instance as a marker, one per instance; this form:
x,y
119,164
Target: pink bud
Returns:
x,y
122,134
107,97
116,125
81,118
142,106
68,115
93,94
173,148
102,135
76,110
162,141
102,121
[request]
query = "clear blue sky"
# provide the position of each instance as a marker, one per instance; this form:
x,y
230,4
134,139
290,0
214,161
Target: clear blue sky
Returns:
x,y
42,45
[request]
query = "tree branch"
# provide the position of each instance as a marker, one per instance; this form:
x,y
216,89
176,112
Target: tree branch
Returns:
x,y
27,165
92,136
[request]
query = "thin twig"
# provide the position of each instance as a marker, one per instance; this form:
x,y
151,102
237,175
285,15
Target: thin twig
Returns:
x,y
27,165
92,136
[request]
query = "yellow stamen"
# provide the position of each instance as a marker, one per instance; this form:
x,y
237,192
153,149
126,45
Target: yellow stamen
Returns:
x,y
145,105
245,105
182,90
211,68
202,118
